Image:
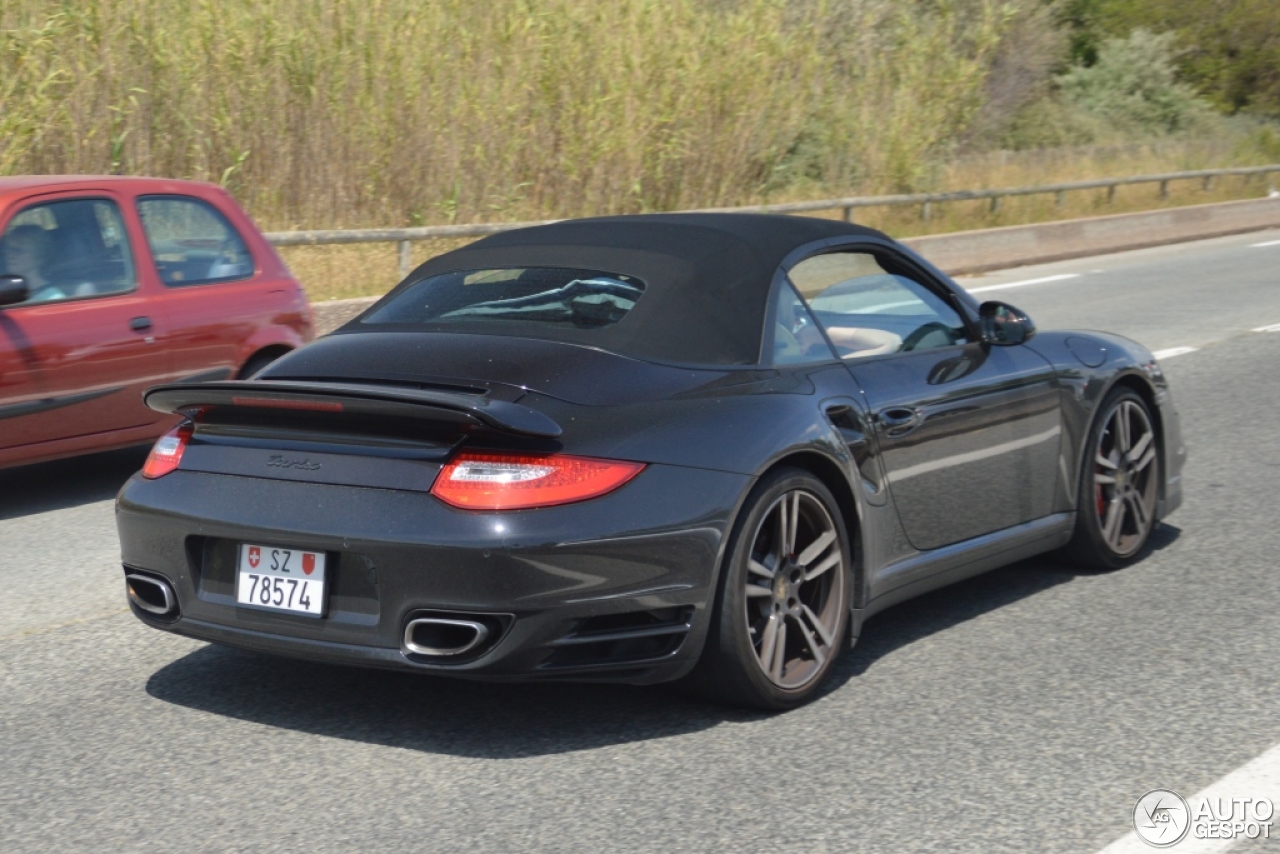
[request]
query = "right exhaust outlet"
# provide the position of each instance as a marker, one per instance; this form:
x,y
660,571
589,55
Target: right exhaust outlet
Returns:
x,y
439,636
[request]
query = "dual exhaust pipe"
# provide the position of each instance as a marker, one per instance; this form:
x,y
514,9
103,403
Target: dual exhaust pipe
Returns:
x,y
438,637
151,594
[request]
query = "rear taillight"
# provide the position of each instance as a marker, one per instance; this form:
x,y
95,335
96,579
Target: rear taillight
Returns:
x,y
167,453
484,481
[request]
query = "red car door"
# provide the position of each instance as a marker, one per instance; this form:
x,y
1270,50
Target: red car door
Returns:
x,y
218,297
17,378
78,353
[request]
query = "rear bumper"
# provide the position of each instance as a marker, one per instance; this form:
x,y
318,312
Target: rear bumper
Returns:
x,y
614,589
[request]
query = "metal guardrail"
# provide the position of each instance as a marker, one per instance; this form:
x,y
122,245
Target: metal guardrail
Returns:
x,y
403,237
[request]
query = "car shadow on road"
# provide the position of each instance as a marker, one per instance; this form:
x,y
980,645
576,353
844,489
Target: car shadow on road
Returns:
x,y
42,487
429,714
940,610
509,721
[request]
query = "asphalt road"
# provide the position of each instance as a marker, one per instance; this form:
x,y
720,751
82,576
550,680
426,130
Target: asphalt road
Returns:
x,y
1025,710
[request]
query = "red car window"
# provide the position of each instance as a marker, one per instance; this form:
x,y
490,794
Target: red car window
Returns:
x,y
69,249
192,243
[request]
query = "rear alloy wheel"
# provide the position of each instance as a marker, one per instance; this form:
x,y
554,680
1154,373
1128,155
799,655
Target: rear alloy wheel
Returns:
x,y
784,602
1119,486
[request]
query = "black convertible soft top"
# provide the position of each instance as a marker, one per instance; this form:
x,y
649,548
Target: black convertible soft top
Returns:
x,y
706,276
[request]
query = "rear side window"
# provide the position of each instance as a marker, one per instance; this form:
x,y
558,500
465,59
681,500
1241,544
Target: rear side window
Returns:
x,y
796,338
507,297
192,243
68,249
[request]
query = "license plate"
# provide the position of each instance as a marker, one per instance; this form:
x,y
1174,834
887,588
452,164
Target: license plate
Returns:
x,y
290,580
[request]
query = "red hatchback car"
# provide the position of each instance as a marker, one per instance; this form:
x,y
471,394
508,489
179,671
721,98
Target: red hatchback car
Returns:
x,y
109,285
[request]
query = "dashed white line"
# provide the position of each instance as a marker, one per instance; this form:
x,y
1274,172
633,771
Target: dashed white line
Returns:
x,y
1040,281
1275,327
1268,243
1259,778
1174,351
872,309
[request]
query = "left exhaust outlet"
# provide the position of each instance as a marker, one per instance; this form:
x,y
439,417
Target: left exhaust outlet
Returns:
x,y
151,594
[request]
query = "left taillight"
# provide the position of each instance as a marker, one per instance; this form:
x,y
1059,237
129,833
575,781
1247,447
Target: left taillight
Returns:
x,y
490,481
167,452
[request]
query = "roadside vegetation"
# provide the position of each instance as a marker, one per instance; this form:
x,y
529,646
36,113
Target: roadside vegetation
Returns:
x,y
334,113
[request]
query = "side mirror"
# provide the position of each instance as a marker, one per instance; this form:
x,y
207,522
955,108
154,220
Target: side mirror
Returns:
x,y
1004,325
13,289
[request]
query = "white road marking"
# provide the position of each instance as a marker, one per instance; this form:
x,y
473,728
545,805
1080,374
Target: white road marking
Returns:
x,y
1174,351
1275,327
1268,243
875,309
1040,281
1260,778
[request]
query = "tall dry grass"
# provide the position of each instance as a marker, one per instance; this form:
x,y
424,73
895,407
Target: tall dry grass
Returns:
x,y
342,113
348,113
337,272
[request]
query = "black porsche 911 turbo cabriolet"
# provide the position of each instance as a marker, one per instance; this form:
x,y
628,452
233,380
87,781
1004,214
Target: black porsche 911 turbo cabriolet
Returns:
x,y
642,448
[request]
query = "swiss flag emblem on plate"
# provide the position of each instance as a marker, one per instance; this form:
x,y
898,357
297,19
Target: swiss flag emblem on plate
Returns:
x,y
308,562
255,555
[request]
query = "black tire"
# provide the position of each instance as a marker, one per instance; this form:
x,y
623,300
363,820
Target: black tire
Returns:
x,y
1120,474
805,646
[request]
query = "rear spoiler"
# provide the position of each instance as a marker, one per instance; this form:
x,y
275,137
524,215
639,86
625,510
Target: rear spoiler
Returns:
x,y
188,398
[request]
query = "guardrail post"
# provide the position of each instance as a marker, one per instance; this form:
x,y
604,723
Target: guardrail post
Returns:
x,y
995,204
1059,197
1111,193
1208,182
1164,189
926,211
847,211
406,257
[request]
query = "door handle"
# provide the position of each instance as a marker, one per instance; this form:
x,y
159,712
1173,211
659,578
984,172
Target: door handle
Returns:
x,y
140,324
899,420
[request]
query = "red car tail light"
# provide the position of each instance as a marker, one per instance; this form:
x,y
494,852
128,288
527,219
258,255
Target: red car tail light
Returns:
x,y
167,453
486,481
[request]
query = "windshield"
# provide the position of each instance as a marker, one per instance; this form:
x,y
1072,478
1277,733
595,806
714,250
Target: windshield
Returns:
x,y
554,296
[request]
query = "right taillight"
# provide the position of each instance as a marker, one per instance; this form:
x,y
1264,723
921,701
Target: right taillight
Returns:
x,y
167,452
492,481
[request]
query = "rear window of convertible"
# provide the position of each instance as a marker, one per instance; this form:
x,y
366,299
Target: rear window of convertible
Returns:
x,y
543,296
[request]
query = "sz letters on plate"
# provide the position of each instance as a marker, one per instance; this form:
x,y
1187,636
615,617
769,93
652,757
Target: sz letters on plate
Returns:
x,y
277,579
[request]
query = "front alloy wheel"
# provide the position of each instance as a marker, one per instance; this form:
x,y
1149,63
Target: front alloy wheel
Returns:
x,y
1120,487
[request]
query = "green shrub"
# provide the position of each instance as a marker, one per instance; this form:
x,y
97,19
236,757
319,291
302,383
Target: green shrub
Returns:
x,y
1134,84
